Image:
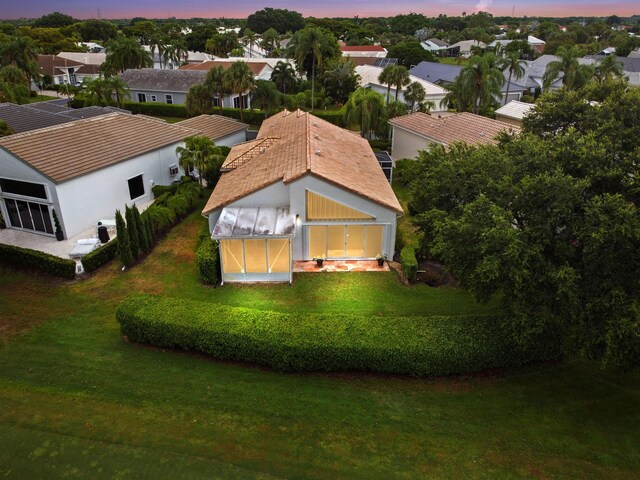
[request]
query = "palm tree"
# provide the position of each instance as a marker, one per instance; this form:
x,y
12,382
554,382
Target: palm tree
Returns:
x,y
366,108
250,38
13,85
97,92
125,53
238,79
156,42
511,61
21,52
575,74
309,42
415,94
201,153
386,78
215,83
284,76
266,96
198,99
609,66
341,81
119,89
400,78
425,107
269,41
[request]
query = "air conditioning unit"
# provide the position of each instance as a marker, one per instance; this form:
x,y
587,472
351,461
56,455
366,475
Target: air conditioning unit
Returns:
x,y
173,170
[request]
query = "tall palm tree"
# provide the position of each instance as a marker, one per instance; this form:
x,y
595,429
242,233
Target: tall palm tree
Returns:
x,y
386,78
309,42
239,79
119,89
608,67
198,99
21,52
341,81
157,42
575,74
511,61
266,96
400,78
415,94
284,76
216,85
199,152
269,41
125,53
366,108
250,39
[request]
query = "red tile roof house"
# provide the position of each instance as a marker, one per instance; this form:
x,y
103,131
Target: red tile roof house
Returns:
x,y
363,51
418,131
303,189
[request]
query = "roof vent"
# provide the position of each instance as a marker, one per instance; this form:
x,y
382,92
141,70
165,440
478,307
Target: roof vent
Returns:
x,y
263,149
318,152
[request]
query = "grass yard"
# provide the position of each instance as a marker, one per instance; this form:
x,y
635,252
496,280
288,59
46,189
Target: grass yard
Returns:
x,y
41,98
170,119
79,402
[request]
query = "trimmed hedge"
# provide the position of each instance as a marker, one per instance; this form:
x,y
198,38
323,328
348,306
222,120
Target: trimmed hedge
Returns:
x,y
207,261
25,257
94,260
157,109
409,262
423,346
334,116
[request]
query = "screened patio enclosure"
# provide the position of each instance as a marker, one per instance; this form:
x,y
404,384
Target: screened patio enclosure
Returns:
x,y
255,244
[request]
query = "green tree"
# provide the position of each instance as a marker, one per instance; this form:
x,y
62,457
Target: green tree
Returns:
x,y
54,20
249,39
201,153
4,128
270,41
400,78
341,81
608,67
574,74
410,53
22,53
386,78
133,233
266,96
124,247
284,76
511,62
125,53
13,85
222,43
50,41
216,85
145,31
238,80
97,30
282,20
199,100
143,238
366,109
415,94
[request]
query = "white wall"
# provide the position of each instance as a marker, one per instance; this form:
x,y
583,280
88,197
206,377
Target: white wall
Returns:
x,y
87,199
231,140
179,98
405,144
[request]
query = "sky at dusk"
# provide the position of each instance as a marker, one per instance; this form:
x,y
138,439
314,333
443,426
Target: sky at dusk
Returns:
x,y
319,8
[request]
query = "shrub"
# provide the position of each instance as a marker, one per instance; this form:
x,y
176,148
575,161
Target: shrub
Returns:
x,y
207,261
179,204
380,145
92,261
159,190
409,262
405,170
157,109
161,218
25,257
425,346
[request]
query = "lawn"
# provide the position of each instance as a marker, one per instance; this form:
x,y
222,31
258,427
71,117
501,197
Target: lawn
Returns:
x,y
41,98
79,402
453,61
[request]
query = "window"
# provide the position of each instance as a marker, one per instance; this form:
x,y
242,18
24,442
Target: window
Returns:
x,y
26,189
168,98
142,97
236,101
29,215
345,241
173,170
216,101
154,98
136,187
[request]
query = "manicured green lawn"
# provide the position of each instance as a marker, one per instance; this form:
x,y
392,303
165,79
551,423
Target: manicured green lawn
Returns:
x,y
453,61
41,98
79,402
171,119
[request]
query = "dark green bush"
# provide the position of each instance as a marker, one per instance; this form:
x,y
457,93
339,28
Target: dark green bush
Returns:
x,y
207,261
25,257
179,204
157,109
424,346
161,217
159,190
334,116
92,261
380,145
405,170
409,262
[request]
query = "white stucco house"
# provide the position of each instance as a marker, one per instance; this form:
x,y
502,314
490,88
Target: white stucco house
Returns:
x,y
419,131
514,112
85,170
369,78
303,189
376,51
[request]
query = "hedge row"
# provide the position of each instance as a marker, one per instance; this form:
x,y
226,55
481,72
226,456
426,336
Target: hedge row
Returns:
x,y
207,261
409,262
94,260
25,257
423,346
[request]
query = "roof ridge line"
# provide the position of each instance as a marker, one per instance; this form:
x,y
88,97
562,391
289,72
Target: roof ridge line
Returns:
x,y
308,137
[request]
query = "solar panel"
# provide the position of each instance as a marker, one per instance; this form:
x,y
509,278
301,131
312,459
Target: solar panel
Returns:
x,y
383,62
386,163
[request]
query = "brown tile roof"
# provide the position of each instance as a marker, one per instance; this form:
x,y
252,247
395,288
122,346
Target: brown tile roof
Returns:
x,y
214,126
293,144
49,64
74,149
255,67
458,127
362,48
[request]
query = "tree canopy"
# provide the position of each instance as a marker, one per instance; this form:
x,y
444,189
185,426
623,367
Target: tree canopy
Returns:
x,y
282,20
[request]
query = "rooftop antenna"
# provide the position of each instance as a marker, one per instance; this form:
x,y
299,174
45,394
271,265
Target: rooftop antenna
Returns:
x,y
513,10
99,15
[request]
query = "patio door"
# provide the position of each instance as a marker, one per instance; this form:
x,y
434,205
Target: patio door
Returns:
x,y
345,241
29,215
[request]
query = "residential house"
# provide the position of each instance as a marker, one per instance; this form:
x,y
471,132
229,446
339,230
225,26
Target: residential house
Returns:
x,y
434,45
64,71
444,75
221,130
303,189
165,86
354,51
463,48
535,43
369,78
85,170
514,112
419,131
192,57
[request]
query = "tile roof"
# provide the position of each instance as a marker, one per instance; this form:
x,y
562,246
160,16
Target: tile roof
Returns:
x,y
74,149
50,64
362,48
165,80
85,58
293,144
458,127
514,109
214,126
255,67
369,75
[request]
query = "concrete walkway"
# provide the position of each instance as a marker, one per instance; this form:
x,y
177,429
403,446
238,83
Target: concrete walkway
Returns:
x,y
310,266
